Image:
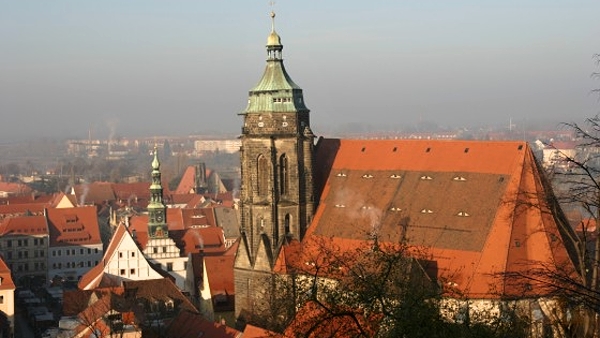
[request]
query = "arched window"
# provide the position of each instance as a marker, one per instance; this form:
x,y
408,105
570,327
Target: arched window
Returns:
x,y
283,175
287,224
262,175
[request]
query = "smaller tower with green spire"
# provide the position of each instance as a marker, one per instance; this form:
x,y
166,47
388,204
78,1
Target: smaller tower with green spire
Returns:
x,y
157,210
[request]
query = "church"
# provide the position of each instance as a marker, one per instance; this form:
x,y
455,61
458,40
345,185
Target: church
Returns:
x,y
481,209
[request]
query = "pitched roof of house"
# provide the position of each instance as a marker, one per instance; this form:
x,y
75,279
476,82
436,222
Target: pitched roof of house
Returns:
x,y
28,209
220,274
95,277
478,208
159,290
189,324
24,225
73,226
228,219
6,282
15,188
94,193
251,331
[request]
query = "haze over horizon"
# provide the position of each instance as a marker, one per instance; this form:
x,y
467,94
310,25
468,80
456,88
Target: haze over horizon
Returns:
x,y
156,67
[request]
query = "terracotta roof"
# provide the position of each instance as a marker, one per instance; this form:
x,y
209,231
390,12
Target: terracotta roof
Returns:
x,y
210,240
187,184
159,289
313,320
15,188
94,193
251,331
189,324
24,225
220,274
6,282
465,202
73,226
12,210
132,193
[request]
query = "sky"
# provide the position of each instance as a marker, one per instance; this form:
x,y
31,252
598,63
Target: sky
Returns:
x,y
155,67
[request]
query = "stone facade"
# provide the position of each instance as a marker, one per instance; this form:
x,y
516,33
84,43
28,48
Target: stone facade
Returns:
x,y
276,198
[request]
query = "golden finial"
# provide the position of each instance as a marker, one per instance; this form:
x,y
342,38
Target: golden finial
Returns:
x,y
272,14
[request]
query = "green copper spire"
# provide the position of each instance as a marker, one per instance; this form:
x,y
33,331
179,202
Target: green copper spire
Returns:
x,y
157,215
275,92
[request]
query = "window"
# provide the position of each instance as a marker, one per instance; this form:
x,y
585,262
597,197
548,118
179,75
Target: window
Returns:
x,y
59,252
73,252
283,175
26,254
133,254
1,299
169,266
122,272
19,242
154,250
132,271
68,252
89,251
81,251
20,254
262,175
120,254
53,253
35,241
164,249
9,255
9,243
41,253
26,242
185,265
96,250
89,263
41,241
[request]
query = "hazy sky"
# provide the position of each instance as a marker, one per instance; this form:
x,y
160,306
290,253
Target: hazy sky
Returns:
x,y
165,67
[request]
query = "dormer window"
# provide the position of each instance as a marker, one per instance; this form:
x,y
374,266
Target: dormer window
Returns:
x,y
367,176
340,206
395,176
341,175
427,211
463,214
426,178
459,178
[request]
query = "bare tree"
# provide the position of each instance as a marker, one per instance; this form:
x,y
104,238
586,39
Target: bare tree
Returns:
x,y
373,290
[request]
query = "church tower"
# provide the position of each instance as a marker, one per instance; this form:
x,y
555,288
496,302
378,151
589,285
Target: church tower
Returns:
x,y
157,210
276,198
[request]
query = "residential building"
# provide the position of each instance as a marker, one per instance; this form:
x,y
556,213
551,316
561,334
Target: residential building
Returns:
x,y
7,301
75,244
122,261
24,245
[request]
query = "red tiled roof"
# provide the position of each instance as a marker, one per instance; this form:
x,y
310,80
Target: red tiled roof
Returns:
x,y
210,240
220,274
6,282
15,188
73,226
464,202
187,184
314,320
251,331
24,225
189,324
12,210
94,193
